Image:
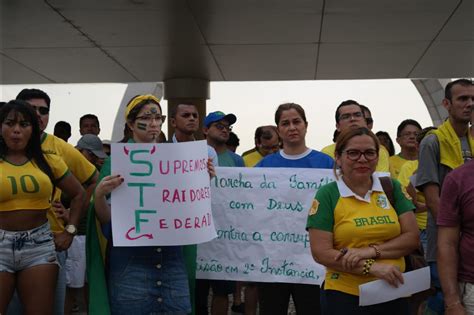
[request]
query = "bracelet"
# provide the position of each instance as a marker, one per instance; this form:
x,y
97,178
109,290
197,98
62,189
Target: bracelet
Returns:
x,y
367,264
452,305
377,251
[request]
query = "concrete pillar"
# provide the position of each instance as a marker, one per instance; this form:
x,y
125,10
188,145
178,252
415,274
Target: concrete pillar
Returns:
x,y
432,93
187,91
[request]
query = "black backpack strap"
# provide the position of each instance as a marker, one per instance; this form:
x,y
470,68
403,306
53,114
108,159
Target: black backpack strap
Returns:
x,y
387,186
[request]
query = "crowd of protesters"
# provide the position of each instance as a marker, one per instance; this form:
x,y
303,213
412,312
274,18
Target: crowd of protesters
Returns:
x,y
56,196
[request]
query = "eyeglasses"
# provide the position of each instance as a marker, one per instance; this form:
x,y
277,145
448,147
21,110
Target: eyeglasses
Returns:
x,y
187,115
369,120
222,127
354,155
149,118
356,116
41,110
409,134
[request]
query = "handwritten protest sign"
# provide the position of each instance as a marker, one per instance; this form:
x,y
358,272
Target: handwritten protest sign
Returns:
x,y
165,198
260,216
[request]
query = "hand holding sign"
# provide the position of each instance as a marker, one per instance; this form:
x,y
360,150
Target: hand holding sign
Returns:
x,y
107,185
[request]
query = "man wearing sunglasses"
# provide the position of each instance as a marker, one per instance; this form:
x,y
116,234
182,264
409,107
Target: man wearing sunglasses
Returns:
x,y
80,167
350,115
217,127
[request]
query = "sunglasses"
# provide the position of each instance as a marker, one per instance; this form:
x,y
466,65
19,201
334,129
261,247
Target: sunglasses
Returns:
x,y
222,127
41,110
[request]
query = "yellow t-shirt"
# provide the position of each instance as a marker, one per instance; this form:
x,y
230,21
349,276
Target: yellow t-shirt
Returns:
x,y
251,159
395,164
382,165
79,166
408,169
26,186
357,222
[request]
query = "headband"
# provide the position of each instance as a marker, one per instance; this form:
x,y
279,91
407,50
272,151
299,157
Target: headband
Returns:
x,y
137,100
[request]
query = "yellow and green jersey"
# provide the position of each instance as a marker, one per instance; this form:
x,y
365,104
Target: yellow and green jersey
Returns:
x,y
251,159
407,170
79,166
26,186
395,164
356,222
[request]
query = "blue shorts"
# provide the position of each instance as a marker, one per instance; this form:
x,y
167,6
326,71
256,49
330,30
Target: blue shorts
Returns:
x,y
21,250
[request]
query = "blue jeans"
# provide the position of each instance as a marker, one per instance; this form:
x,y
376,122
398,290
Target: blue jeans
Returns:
x,y
33,247
435,303
424,240
148,280
21,250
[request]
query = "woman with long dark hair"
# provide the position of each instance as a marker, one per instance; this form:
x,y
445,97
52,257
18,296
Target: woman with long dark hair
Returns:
x,y
28,179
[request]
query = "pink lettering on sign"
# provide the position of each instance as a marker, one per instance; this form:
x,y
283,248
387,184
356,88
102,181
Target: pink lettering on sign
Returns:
x,y
163,224
162,165
187,166
127,235
178,196
193,222
183,195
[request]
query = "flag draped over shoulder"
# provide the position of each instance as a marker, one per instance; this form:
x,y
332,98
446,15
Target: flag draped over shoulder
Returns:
x,y
95,258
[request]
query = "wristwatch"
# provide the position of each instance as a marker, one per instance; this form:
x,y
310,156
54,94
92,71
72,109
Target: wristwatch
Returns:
x,y
71,229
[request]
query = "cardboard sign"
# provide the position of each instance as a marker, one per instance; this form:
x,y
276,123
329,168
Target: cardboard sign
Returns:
x,y
165,198
260,216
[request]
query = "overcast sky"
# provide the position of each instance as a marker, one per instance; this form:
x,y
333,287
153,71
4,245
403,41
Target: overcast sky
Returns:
x,y
254,104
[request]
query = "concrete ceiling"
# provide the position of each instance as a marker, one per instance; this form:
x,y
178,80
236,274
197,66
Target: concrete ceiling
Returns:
x,y
70,41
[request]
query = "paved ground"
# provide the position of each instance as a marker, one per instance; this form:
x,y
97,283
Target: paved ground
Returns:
x,y
291,309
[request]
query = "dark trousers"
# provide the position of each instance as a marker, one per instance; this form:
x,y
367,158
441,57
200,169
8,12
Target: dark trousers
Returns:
x,y
219,288
274,298
339,303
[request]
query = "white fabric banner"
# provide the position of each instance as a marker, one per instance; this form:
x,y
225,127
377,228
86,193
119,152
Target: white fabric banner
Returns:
x,y
260,216
165,198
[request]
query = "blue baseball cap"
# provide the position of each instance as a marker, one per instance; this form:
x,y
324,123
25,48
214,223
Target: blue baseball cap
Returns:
x,y
217,116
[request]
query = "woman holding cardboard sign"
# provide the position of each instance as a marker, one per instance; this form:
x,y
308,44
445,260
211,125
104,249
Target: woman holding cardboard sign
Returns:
x,y
140,280
356,232
292,127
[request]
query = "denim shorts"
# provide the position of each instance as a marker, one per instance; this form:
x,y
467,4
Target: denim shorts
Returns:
x,y
21,250
148,280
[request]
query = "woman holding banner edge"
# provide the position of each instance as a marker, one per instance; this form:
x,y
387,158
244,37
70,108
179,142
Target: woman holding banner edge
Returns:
x,y
355,231
292,125
140,280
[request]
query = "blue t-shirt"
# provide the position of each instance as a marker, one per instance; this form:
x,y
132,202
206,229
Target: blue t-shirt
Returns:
x,y
309,159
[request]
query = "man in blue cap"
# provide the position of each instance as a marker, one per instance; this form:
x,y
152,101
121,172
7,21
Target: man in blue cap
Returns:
x,y
216,129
